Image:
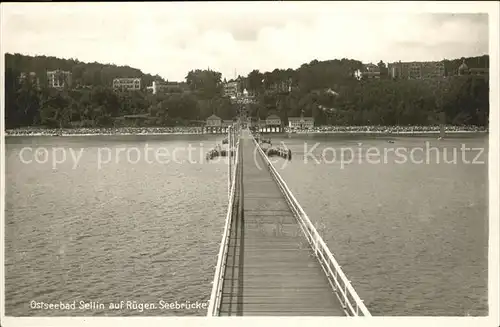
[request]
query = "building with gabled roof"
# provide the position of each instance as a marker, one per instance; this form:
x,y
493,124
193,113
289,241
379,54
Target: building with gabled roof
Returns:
x,y
214,121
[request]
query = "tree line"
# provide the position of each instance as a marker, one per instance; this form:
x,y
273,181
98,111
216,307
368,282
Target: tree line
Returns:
x,y
83,74
91,101
325,90
330,92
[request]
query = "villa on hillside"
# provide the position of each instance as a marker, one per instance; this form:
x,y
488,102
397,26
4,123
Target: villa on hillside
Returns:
x,y
465,70
59,78
371,67
358,74
301,122
127,83
416,70
158,87
214,121
230,89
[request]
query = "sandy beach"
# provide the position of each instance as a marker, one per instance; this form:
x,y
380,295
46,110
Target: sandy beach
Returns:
x,y
383,130
104,131
393,133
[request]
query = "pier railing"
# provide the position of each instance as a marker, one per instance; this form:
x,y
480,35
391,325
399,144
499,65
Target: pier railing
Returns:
x,y
351,302
216,295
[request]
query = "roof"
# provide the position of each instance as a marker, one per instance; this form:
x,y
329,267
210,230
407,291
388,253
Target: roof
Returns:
x,y
228,121
330,91
299,118
273,117
126,78
213,117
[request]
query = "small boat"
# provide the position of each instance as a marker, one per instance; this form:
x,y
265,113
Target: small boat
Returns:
x,y
280,152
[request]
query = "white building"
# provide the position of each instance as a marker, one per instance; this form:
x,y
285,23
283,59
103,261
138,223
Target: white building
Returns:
x,y
273,120
301,122
214,121
127,83
158,87
231,89
58,78
155,88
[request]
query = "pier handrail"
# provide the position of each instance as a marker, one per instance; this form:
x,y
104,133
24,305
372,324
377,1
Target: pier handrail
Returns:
x,y
350,300
215,297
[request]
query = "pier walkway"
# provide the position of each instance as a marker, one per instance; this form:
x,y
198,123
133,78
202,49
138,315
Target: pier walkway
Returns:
x,y
272,261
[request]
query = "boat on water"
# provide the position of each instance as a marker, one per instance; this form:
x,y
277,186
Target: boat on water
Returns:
x,y
278,151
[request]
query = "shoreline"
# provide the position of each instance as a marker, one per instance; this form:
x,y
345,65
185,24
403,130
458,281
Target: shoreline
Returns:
x,y
387,133
102,134
124,131
354,132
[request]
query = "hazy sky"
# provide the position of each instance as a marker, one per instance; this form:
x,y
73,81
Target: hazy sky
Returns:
x,y
172,38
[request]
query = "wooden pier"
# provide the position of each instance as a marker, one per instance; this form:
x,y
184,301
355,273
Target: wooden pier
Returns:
x,y
267,266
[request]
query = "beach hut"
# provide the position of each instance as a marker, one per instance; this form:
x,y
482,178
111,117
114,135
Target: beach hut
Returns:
x,y
213,124
301,122
273,123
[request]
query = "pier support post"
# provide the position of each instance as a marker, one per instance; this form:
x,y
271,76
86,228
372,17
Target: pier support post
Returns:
x,y
229,147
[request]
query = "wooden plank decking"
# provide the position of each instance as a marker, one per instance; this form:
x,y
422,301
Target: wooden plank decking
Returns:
x,y
271,270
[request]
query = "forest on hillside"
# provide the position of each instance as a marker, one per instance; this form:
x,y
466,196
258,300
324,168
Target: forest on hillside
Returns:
x,y
83,74
326,90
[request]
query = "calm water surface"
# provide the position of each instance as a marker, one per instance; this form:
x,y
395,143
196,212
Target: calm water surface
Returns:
x,y
125,232
411,237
